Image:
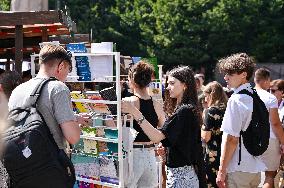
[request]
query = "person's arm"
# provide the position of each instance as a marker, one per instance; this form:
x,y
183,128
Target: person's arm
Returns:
x,y
229,147
155,135
160,113
236,113
208,123
64,115
206,135
71,131
276,124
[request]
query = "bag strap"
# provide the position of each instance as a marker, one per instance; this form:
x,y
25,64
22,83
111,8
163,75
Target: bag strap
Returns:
x,y
246,92
32,100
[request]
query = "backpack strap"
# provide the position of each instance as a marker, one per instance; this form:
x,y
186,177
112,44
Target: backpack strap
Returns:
x,y
246,92
32,100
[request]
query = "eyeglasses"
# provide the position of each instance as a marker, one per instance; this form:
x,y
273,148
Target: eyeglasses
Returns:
x,y
273,90
68,59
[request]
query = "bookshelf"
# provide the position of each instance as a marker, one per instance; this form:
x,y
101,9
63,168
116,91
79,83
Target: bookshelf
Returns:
x,y
123,155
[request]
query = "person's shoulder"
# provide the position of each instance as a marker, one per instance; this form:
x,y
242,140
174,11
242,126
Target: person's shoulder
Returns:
x,y
185,109
240,98
131,98
263,92
215,109
24,86
270,96
265,95
57,86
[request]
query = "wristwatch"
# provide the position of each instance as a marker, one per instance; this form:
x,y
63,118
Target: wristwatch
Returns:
x,y
140,120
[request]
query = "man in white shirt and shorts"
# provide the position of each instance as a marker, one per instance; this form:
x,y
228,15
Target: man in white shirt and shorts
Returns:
x,y
271,157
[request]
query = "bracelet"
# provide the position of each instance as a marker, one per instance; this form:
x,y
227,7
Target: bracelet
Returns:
x,y
140,120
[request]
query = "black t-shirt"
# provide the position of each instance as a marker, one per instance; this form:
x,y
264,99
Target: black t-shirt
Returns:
x,y
182,131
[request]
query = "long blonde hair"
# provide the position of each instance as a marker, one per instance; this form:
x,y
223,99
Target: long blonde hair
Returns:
x,y
217,94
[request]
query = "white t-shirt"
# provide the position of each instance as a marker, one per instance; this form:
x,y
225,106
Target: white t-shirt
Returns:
x,y
270,102
237,117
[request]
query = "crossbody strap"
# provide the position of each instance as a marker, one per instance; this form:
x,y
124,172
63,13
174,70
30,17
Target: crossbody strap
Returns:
x,y
246,92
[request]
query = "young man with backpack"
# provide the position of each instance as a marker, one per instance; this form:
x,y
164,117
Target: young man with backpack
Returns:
x,y
271,157
54,105
238,167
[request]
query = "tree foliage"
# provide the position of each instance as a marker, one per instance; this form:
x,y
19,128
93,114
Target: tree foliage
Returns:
x,y
5,5
193,32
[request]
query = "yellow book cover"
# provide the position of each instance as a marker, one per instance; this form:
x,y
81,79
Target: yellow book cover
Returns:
x,y
80,106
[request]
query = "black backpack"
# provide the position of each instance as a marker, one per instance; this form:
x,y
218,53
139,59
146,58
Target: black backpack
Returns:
x,y
256,137
30,149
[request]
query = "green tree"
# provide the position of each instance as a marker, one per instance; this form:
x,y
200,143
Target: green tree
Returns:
x,y
5,5
191,32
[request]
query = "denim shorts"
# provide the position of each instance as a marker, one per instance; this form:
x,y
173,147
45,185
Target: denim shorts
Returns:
x,y
182,177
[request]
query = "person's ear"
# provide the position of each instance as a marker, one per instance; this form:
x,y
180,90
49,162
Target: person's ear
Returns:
x,y
244,75
60,67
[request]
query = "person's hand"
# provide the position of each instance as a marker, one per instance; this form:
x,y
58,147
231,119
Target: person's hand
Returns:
x,y
83,120
161,151
127,106
221,177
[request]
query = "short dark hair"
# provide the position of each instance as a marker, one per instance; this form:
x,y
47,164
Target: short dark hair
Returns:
x,y
51,52
9,80
237,63
261,74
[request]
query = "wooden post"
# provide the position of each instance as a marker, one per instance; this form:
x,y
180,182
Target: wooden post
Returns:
x,y
19,48
44,34
7,64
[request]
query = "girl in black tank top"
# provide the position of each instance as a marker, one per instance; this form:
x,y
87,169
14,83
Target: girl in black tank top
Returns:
x,y
144,166
148,111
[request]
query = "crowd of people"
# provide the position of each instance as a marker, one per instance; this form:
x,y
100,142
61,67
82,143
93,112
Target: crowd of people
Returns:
x,y
197,131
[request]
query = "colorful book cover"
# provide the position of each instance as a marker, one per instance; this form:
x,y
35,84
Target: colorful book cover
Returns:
x,y
80,107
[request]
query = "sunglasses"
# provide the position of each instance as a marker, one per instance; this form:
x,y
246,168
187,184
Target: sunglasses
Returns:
x,y
67,58
273,90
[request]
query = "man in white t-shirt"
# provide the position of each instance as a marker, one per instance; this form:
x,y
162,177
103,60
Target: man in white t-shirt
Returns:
x,y
272,155
238,69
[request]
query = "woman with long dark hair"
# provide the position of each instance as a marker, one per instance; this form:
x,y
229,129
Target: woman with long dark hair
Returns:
x,y
180,134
